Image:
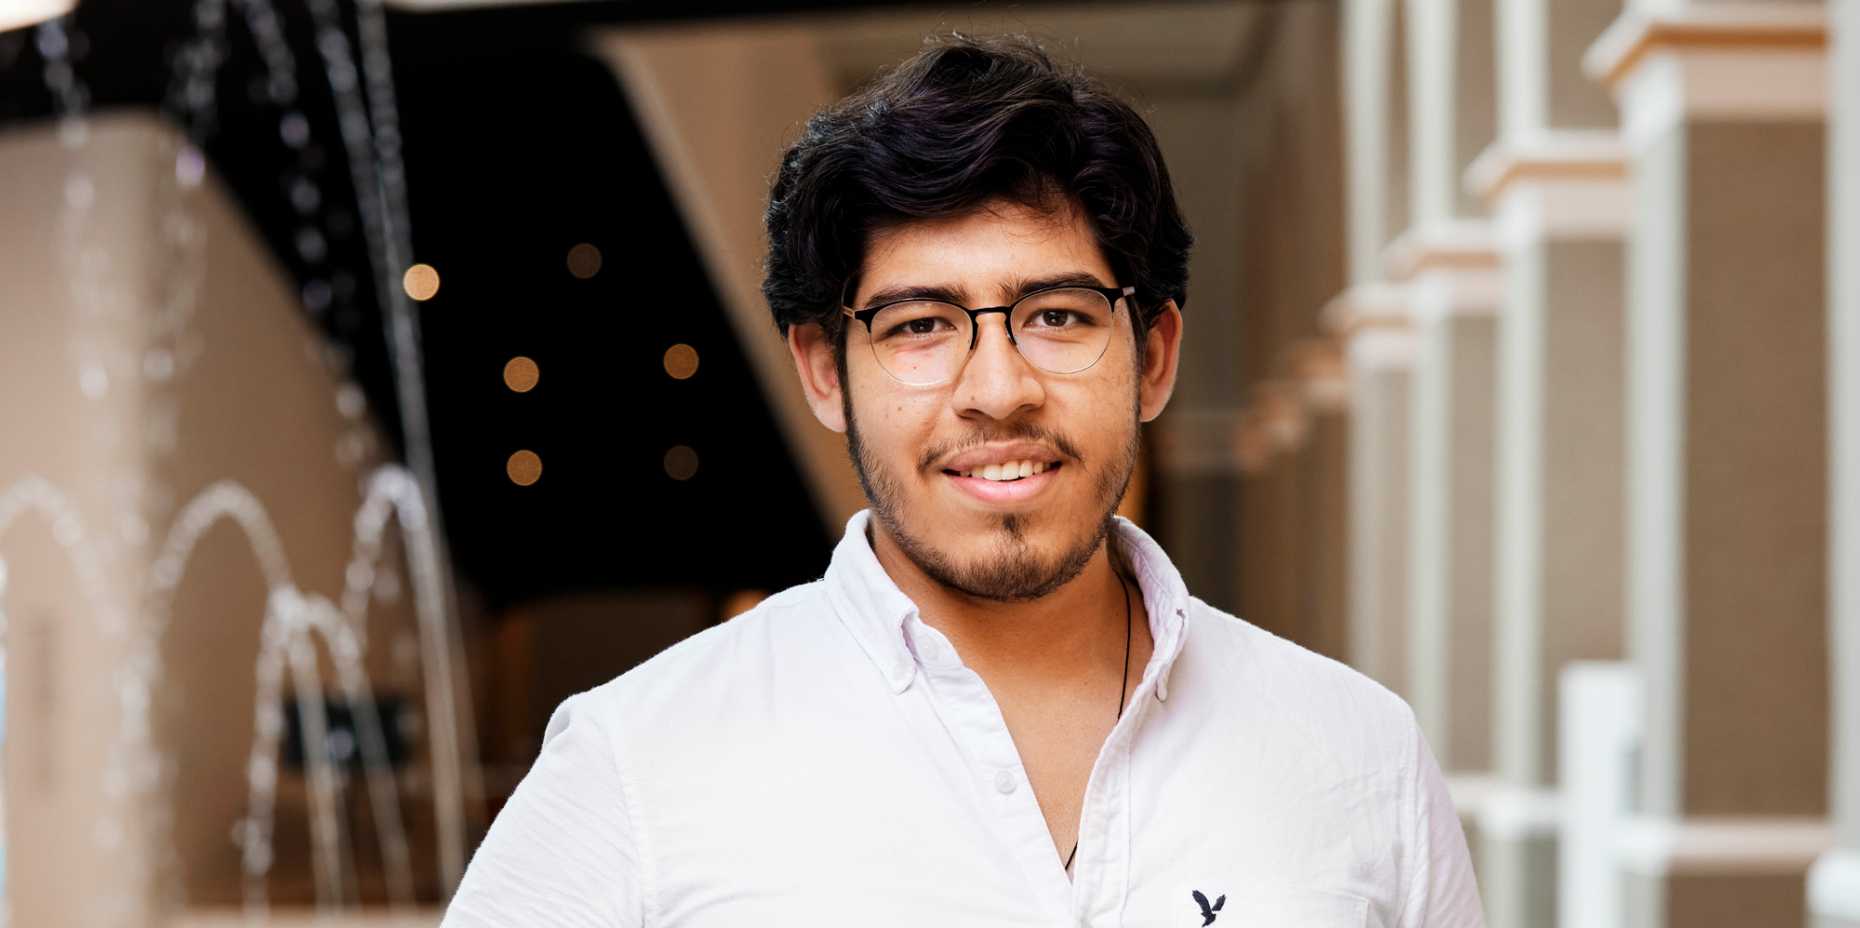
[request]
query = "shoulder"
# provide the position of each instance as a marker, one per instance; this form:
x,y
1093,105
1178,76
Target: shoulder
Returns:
x,y
1280,685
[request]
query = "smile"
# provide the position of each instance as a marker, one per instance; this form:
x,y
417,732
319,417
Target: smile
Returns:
x,y
1005,483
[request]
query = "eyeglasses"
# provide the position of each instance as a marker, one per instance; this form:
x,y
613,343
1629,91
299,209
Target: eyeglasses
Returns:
x,y
921,343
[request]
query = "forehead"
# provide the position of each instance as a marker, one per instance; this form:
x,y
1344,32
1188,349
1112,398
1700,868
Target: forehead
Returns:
x,y
984,253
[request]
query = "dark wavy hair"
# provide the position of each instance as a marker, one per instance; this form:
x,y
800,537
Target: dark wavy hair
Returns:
x,y
964,121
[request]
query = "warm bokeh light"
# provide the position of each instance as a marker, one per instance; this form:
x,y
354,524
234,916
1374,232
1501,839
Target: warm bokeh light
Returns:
x,y
681,361
681,462
584,260
521,374
742,601
421,282
524,468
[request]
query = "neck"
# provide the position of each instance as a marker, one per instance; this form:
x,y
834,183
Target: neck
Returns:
x,y
1072,633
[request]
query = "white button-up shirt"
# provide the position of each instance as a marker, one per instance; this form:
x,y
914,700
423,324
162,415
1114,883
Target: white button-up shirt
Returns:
x,y
827,759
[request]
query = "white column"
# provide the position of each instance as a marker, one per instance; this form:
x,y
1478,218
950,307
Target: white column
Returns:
x,y
1450,102
1374,321
1834,884
1323,465
1563,207
1448,259
1454,286
1722,108
1366,27
1556,180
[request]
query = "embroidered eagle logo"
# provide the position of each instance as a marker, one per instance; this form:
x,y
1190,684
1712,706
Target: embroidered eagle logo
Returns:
x,y
1207,911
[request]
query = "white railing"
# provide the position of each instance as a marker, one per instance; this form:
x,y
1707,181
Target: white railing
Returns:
x,y
1598,744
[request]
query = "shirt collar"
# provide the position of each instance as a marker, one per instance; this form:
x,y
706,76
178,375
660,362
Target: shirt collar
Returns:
x,y
874,610
872,606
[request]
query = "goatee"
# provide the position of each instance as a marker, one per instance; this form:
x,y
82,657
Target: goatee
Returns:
x,y
1013,571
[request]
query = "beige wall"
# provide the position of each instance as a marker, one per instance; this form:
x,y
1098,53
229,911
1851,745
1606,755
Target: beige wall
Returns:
x,y
250,399
1755,498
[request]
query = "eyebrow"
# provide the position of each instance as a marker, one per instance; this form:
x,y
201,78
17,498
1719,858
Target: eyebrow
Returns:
x,y
949,294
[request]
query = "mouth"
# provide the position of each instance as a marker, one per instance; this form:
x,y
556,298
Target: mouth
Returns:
x,y
1005,483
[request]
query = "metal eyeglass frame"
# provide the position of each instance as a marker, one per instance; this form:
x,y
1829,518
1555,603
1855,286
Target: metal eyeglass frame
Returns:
x,y
1111,295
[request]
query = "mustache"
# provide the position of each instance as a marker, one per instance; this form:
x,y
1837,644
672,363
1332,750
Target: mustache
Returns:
x,y
1026,432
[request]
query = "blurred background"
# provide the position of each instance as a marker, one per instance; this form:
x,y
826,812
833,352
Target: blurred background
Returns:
x,y
374,376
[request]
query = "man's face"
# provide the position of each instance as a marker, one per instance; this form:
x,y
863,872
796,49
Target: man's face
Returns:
x,y
989,539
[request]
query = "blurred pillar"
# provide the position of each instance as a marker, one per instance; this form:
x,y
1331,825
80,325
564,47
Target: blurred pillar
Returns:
x,y
1556,179
1448,260
1322,463
1375,132
1559,561
1374,319
1365,111
1722,108
1371,321
1454,285
1834,884
1451,104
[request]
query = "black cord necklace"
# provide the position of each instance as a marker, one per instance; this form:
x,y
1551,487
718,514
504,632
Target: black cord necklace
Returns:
x,y
1123,683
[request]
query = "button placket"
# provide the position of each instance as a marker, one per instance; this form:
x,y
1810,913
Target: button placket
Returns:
x,y
1093,895
973,716
1102,883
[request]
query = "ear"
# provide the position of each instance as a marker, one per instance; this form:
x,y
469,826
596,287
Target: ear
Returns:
x,y
820,376
1156,382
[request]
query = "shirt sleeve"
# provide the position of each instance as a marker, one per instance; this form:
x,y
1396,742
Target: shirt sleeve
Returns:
x,y
1441,892
562,853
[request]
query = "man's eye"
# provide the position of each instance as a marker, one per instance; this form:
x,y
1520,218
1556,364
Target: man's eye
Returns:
x,y
928,325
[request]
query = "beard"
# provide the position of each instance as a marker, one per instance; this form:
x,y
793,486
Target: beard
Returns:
x,y
1014,571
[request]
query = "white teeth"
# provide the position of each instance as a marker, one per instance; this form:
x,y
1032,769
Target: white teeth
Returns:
x,y
1012,470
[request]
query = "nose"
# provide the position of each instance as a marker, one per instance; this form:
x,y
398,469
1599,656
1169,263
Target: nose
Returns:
x,y
996,382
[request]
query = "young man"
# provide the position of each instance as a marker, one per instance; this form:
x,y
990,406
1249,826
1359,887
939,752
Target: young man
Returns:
x,y
1000,706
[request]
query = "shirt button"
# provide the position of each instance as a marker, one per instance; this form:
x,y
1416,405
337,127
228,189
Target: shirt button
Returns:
x,y
1004,781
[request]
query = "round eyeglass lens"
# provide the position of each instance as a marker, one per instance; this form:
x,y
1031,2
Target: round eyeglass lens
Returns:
x,y
921,342
1063,331
1060,331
